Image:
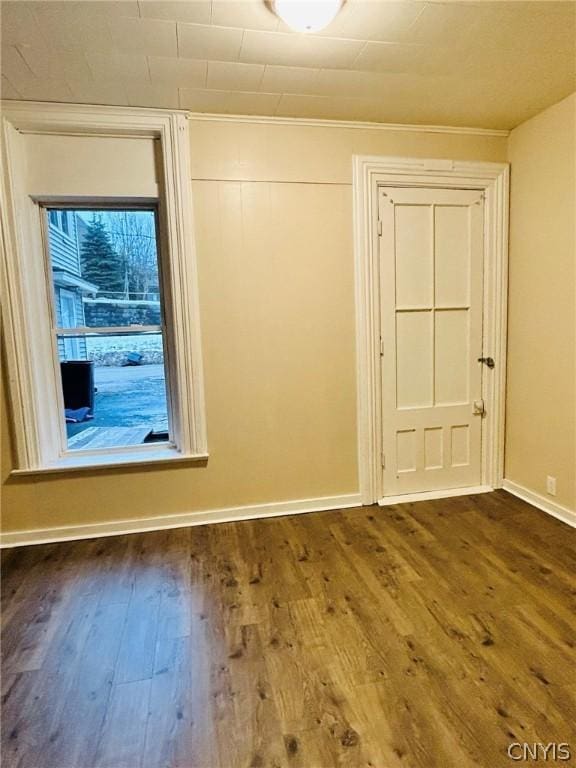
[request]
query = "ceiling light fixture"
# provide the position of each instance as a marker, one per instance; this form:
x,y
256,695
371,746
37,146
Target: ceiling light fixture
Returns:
x,y
307,15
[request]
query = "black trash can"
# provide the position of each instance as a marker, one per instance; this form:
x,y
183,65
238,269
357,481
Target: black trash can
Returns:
x,y
78,384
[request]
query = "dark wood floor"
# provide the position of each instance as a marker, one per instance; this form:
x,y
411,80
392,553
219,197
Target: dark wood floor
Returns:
x,y
430,635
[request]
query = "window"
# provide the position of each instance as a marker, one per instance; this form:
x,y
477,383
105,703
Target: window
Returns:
x,y
64,220
103,352
108,328
59,220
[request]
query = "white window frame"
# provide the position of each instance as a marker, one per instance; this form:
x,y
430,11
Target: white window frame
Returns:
x,y
70,333
33,377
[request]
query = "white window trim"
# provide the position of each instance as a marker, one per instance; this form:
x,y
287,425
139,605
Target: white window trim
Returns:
x,y
370,173
33,377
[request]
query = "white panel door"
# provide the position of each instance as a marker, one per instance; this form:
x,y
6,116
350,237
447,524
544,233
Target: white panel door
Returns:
x,y
431,254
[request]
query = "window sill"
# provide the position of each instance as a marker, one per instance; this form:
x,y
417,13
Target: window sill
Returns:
x,y
114,460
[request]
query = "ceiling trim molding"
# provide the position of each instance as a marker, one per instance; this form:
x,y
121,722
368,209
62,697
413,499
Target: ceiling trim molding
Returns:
x,y
66,118
61,108
354,124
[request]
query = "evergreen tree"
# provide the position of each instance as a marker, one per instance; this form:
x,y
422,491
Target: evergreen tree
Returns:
x,y
101,264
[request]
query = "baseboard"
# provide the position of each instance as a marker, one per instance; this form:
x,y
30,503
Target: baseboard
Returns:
x,y
431,495
567,516
188,519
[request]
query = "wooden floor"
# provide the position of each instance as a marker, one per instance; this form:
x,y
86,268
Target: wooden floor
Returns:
x,y
432,634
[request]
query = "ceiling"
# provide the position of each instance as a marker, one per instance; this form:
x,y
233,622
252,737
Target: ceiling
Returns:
x,y
485,64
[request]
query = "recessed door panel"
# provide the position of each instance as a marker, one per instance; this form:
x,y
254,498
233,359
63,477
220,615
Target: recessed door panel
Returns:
x,y
452,255
431,254
460,447
414,363
451,356
406,450
414,264
433,447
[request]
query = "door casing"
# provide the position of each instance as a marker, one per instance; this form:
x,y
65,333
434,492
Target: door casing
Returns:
x,y
370,173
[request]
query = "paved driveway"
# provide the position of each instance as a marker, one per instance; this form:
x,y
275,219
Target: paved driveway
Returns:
x,y
130,396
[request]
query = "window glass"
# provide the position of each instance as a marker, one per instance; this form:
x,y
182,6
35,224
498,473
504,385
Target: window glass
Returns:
x,y
116,256
107,279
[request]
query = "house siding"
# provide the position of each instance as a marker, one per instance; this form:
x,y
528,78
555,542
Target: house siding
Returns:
x,y
64,249
65,256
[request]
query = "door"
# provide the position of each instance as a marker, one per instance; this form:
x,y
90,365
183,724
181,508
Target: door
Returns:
x,y
431,267
69,320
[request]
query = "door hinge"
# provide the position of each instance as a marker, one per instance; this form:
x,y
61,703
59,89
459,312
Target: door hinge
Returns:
x,y
489,361
383,460
380,227
381,347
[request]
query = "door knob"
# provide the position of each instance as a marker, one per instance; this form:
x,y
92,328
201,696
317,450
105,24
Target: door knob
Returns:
x,y
489,361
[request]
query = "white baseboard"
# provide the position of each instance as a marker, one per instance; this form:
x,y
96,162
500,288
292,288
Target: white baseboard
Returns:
x,y
565,514
274,509
120,527
431,495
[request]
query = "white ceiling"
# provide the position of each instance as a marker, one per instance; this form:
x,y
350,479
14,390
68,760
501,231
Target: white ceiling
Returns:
x,y
486,64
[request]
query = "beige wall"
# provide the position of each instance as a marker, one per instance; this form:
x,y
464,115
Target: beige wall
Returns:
x,y
88,165
273,213
541,402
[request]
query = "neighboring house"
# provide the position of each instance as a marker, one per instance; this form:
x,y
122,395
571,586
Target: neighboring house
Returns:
x,y
69,287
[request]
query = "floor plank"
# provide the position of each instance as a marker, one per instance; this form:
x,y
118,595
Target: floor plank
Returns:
x,y
428,635
121,743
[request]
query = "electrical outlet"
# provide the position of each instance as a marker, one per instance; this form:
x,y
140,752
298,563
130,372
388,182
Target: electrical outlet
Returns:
x,y
551,485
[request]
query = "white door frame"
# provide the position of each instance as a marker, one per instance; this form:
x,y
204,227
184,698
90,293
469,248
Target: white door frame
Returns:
x,y
370,173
